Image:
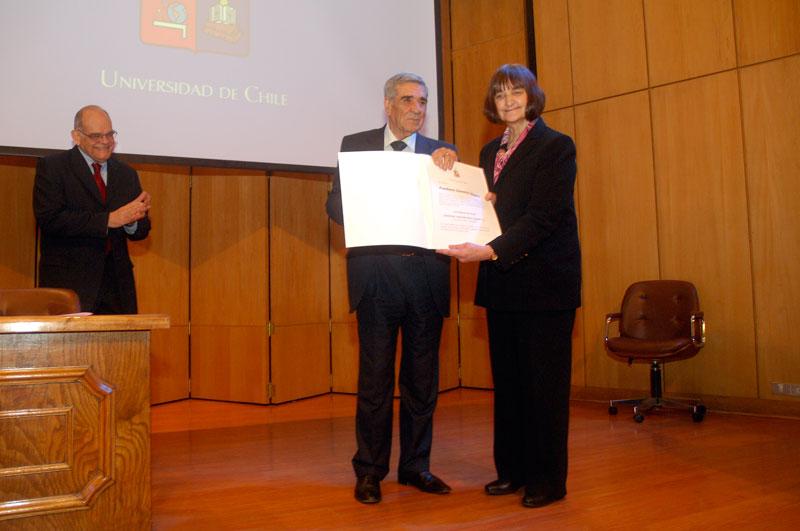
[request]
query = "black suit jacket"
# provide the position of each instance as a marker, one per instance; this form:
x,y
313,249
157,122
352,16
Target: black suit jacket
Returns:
x,y
73,222
362,261
539,259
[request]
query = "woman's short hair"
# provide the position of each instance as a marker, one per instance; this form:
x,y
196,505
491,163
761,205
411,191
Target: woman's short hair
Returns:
x,y
514,76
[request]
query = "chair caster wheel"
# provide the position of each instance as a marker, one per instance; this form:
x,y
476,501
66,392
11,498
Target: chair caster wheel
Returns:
x,y
638,417
612,410
699,413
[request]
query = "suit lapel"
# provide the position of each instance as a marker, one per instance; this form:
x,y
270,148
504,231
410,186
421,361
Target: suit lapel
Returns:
x,y
425,145
111,179
528,145
375,140
421,145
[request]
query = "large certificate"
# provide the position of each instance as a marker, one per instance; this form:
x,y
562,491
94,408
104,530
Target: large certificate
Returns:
x,y
399,198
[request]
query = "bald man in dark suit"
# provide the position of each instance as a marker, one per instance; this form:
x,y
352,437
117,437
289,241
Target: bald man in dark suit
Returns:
x,y
88,205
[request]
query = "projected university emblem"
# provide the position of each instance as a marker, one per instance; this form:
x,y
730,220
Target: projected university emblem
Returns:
x,y
213,26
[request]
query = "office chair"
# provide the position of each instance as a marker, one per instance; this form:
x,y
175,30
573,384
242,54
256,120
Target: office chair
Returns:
x,y
38,301
659,322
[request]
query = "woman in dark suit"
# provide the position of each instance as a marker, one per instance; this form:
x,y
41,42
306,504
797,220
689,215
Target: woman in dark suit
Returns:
x,y
529,282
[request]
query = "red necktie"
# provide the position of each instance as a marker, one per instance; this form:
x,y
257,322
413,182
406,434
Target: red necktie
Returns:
x,y
98,178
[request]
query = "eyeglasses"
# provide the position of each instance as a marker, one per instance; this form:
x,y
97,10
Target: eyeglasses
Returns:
x,y
111,135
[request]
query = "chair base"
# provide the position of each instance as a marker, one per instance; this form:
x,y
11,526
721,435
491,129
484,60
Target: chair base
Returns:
x,y
642,406
656,399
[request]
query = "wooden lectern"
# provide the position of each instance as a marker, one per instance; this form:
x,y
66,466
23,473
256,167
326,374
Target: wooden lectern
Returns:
x,y
75,421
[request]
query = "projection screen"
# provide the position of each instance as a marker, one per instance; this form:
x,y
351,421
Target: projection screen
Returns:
x,y
250,81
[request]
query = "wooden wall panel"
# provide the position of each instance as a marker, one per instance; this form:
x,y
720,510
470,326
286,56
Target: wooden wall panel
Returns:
x,y
448,349
766,29
300,361
472,69
476,370
229,247
344,357
162,260
608,48
230,363
169,364
446,54
344,331
562,120
553,62
340,304
687,38
229,278
474,22
473,338
448,356
298,260
467,282
299,290
619,242
161,267
703,228
771,112
17,223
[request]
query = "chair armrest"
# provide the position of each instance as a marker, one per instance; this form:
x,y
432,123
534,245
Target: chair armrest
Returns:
x,y
698,329
610,318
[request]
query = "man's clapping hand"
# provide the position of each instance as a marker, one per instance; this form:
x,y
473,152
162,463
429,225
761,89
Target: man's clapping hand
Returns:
x,y
130,212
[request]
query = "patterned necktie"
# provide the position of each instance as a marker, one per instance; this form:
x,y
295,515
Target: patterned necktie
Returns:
x,y
98,178
398,145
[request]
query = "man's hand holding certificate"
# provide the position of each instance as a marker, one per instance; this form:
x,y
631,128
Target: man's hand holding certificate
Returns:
x,y
398,198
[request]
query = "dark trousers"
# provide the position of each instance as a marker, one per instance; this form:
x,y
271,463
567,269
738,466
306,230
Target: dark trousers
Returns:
x,y
109,299
531,356
399,299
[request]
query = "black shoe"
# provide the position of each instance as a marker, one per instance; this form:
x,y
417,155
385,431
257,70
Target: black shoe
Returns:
x,y
424,481
368,489
499,487
541,496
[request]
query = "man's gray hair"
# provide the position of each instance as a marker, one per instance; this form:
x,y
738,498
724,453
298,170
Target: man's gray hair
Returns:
x,y
390,88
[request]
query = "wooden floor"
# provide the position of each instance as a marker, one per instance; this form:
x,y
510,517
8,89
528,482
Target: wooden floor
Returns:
x,y
233,466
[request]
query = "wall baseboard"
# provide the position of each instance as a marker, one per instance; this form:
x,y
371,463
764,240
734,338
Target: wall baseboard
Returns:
x,y
789,407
